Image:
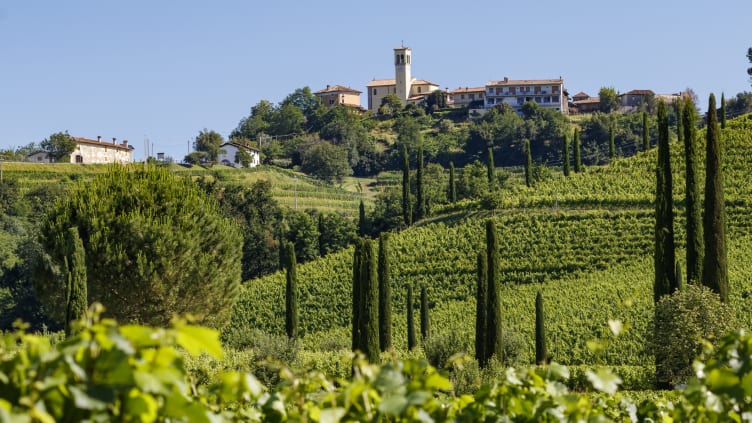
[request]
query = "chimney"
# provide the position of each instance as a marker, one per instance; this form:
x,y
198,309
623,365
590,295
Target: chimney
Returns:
x,y
506,79
114,140
99,138
125,143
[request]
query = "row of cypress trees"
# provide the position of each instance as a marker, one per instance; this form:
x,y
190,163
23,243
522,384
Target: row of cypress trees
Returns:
x,y
576,147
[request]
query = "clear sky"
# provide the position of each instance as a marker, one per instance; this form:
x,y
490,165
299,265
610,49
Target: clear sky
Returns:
x,y
164,70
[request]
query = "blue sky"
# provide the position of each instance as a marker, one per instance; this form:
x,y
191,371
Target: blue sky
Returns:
x,y
164,70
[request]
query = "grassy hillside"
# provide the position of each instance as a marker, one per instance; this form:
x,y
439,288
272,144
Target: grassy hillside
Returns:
x,y
586,242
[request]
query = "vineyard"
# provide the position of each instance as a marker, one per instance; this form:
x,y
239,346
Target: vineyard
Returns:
x,y
586,242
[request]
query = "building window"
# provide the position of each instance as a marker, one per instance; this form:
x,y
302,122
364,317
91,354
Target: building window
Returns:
x,y
374,91
520,101
331,101
538,100
418,90
462,96
79,158
555,99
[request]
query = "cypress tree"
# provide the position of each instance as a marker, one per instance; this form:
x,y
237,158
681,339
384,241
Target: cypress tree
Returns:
x,y
411,343
541,356
369,322
565,154
490,168
481,309
664,257
577,156
528,165
291,293
695,241
76,265
362,229
714,269
452,184
723,111
611,143
678,106
679,279
385,294
406,209
420,211
493,319
424,324
356,295
645,132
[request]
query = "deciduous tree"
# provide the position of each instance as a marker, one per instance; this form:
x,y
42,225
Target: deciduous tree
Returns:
x,y
58,146
608,99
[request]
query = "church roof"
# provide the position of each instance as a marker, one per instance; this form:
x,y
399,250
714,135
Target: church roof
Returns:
x,y
337,89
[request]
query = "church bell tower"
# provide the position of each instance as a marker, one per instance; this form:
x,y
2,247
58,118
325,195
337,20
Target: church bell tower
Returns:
x,y
402,76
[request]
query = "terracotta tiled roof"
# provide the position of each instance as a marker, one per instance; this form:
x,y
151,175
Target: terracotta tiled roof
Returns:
x,y
381,83
239,145
102,143
525,82
468,90
581,94
587,101
423,82
639,92
337,89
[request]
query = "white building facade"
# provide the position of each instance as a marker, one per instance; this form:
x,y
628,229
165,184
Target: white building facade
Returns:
x,y
228,155
407,88
548,93
90,151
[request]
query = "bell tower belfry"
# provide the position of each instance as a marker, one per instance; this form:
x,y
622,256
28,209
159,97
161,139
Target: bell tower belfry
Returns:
x,y
402,76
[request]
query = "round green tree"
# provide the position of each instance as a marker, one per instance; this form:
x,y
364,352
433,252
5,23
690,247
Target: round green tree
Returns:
x,y
155,246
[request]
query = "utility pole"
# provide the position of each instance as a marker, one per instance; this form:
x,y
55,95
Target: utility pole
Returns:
x,y
295,190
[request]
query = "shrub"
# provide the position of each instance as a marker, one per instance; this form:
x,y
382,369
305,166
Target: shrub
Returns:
x,y
683,320
440,347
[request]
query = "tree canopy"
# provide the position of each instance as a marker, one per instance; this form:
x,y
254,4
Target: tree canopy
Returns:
x,y
208,142
326,161
608,99
59,146
155,246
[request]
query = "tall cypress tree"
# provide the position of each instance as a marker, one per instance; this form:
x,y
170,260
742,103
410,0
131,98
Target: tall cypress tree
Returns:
x,y
291,292
406,209
493,322
491,168
481,310
577,155
528,165
565,154
357,295
695,241
664,257
714,269
452,184
679,108
385,294
611,143
362,223
541,355
370,296
76,265
424,323
411,342
723,111
645,132
420,211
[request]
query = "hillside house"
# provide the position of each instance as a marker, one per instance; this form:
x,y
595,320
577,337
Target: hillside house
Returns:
x,y
548,93
462,97
635,98
407,88
338,94
583,103
89,151
228,154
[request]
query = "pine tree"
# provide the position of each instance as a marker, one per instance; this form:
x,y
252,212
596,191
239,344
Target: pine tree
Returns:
x,y
541,356
357,295
493,320
611,143
420,211
723,111
76,273
490,168
528,165
714,268
481,309
424,324
385,294
695,239
577,155
370,296
679,108
406,209
565,154
645,132
452,184
362,223
411,342
664,256
291,292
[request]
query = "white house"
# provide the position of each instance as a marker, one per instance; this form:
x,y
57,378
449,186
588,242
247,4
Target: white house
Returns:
x,y
407,88
90,151
548,93
228,154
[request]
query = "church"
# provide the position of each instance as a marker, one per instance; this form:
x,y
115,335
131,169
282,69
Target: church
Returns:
x,y
407,88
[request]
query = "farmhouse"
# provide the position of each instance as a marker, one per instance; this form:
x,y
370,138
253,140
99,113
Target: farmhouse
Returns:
x,y
338,94
231,154
90,151
463,97
583,103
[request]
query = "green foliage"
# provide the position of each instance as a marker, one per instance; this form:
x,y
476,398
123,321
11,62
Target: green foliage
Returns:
x,y
565,155
722,111
302,230
611,144
357,296
291,292
58,146
336,232
577,152
684,321
714,267
490,168
528,165
420,209
76,297
366,297
541,356
481,309
145,232
385,294
391,105
208,142
494,333
664,257
452,184
692,200
411,340
608,99
406,204
425,329
645,132
326,161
